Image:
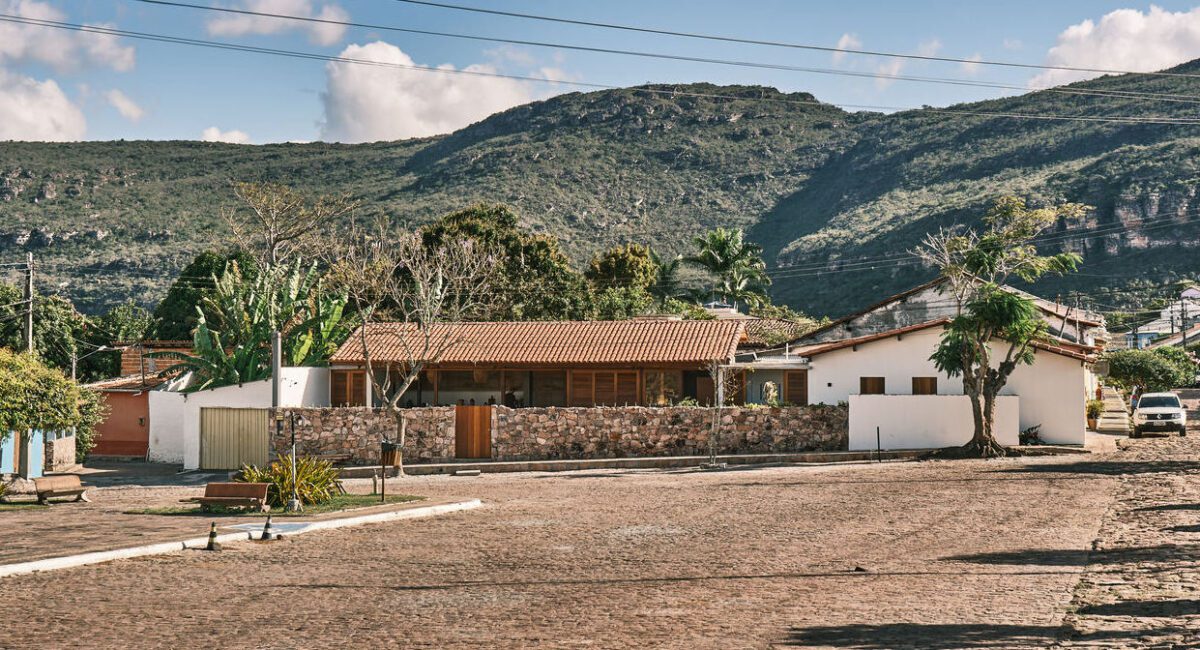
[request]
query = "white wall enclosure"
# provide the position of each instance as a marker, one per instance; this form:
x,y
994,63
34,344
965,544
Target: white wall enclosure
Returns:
x,y
924,421
175,417
1052,392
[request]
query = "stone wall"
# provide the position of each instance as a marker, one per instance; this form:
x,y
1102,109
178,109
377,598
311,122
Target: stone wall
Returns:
x,y
60,453
351,436
628,431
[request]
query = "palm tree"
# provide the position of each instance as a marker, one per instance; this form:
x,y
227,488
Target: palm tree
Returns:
x,y
736,265
666,278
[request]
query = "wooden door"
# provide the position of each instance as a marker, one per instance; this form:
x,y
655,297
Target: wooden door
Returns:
x,y
795,387
231,437
472,432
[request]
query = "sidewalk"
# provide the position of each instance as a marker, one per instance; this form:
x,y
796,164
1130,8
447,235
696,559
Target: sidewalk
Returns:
x,y
1115,418
71,528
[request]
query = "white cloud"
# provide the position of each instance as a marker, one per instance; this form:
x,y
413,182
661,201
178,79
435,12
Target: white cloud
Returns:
x,y
64,50
888,69
930,47
1125,39
124,105
848,41
37,110
318,33
971,65
368,103
213,134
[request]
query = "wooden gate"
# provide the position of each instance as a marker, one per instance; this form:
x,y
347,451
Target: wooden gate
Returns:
x,y
230,437
472,432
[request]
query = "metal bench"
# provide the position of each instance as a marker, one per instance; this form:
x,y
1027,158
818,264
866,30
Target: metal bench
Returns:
x,y
234,495
59,485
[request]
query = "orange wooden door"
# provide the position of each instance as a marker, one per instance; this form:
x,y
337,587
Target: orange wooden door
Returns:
x,y
472,432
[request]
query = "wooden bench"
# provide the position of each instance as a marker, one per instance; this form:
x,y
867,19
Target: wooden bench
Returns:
x,y
59,485
234,495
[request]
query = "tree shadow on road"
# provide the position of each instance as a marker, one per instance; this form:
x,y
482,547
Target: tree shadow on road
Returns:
x,y
1107,467
1083,557
1147,608
930,637
1169,507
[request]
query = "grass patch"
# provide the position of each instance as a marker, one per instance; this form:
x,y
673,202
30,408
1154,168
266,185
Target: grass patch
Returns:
x,y
21,505
336,504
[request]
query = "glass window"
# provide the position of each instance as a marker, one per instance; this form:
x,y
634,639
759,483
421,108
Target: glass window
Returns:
x,y
1158,401
663,387
548,388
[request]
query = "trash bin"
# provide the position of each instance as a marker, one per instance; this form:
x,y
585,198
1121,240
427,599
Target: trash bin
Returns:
x,y
389,453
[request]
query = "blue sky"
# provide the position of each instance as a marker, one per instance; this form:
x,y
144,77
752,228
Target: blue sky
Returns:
x,y
61,85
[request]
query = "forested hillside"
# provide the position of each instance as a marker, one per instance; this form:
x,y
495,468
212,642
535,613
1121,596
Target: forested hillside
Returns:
x,y
821,189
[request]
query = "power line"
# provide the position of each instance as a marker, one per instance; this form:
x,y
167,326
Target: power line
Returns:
x,y
798,46
95,29
693,59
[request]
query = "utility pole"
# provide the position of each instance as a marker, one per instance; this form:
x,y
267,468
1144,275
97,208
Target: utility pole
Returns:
x,y
29,303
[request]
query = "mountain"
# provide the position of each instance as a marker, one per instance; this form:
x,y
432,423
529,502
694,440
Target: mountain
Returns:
x,y
818,187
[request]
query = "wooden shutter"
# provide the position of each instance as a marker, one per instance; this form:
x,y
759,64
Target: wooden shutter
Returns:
x,y
606,388
627,388
924,385
871,386
358,389
582,388
796,387
338,388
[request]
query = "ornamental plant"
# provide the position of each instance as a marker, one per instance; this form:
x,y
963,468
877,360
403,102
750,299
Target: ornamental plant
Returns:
x,y
316,480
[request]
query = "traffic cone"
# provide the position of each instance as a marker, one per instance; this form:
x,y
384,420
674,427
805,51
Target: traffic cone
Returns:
x,y
267,533
212,538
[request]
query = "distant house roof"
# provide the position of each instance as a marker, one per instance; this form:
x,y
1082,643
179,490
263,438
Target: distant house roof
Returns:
x,y
129,383
766,332
1047,306
1054,345
578,343
1193,335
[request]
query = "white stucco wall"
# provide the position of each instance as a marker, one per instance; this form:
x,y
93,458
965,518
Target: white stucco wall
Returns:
x,y
1053,390
925,421
175,417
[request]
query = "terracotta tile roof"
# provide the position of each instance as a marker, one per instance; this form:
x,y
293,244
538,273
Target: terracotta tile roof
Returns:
x,y
1054,345
532,343
129,383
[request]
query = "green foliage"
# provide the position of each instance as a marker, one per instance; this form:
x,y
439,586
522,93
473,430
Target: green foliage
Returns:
x,y
667,285
124,323
175,316
92,412
734,264
234,324
316,480
35,396
619,303
534,279
991,314
630,265
57,327
1095,408
1148,370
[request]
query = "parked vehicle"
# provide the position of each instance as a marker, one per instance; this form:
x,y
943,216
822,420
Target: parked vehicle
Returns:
x,y
1159,412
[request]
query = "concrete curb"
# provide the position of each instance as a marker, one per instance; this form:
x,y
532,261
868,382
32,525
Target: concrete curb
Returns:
x,y
68,561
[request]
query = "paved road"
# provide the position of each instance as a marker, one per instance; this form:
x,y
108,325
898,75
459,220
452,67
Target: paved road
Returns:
x,y
920,555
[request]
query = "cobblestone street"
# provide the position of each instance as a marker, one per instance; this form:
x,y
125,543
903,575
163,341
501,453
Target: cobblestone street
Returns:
x,y
964,554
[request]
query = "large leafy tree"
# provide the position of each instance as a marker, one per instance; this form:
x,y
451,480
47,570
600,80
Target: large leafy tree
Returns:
x,y
666,286
175,316
1151,370
995,329
231,344
630,265
58,328
532,278
35,396
734,264
123,323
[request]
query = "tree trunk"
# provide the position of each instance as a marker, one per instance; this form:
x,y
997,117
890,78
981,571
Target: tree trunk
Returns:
x,y
983,442
401,434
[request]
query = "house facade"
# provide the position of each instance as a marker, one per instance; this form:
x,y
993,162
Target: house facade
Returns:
x,y
544,364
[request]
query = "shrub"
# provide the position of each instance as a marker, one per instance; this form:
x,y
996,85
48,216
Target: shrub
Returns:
x,y
316,479
1031,436
1095,407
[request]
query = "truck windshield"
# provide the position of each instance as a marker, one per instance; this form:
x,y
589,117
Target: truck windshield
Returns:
x,y
1158,401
